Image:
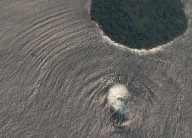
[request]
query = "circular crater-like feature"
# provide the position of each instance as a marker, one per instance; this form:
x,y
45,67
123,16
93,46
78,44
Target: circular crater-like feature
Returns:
x,y
117,99
140,24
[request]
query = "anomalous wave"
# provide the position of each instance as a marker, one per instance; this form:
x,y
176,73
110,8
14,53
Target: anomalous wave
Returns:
x,y
56,71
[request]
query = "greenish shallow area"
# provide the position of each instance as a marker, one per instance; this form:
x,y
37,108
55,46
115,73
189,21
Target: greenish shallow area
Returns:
x,y
140,23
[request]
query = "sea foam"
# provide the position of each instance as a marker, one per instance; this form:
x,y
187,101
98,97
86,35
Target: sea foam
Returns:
x,y
117,97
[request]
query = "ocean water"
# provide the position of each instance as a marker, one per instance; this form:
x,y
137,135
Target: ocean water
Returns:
x,y
57,68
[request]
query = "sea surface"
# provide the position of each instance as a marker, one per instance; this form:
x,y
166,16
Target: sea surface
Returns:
x,y
56,68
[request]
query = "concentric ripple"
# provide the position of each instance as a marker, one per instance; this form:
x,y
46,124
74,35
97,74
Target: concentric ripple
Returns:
x,y
56,72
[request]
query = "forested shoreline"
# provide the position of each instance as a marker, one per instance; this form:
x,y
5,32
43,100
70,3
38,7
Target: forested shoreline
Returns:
x,y
140,23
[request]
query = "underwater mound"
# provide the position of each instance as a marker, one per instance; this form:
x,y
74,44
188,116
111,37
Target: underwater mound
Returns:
x,y
117,99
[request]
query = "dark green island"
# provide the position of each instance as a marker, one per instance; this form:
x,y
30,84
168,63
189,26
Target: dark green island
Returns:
x,y
140,23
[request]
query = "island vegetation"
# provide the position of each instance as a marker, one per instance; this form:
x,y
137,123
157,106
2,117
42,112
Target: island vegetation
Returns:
x,y
140,23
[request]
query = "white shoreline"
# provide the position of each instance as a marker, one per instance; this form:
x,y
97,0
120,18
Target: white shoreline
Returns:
x,y
144,51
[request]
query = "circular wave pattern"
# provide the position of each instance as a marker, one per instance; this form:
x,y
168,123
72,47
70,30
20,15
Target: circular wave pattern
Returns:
x,y
56,72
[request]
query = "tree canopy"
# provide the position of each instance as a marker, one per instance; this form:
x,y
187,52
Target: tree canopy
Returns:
x,y
140,23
